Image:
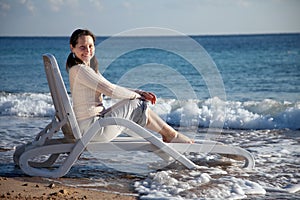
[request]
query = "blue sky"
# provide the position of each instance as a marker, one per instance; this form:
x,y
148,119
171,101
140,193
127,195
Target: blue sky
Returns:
x,y
109,17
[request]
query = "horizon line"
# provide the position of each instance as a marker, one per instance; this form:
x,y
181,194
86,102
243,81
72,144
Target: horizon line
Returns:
x,y
191,35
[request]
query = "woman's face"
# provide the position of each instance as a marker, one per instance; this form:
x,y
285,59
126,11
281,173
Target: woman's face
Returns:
x,y
84,49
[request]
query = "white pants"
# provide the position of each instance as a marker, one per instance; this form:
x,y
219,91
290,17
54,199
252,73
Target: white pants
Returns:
x,y
134,110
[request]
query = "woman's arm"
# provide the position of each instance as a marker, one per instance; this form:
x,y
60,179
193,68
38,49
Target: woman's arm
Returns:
x,y
88,77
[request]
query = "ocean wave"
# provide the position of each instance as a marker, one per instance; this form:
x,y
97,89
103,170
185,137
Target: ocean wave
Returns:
x,y
26,104
266,114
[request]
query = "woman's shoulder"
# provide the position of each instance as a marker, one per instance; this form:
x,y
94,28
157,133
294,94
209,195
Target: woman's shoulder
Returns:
x,y
78,66
81,69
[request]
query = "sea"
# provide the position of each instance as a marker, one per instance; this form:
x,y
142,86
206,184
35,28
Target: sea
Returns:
x,y
245,88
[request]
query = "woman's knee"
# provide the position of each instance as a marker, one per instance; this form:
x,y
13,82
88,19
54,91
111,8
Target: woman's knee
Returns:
x,y
135,103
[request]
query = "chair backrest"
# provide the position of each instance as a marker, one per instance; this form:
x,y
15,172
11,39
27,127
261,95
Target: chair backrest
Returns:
x,y
61,101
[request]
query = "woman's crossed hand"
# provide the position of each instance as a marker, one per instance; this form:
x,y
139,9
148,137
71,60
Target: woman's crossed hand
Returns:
x,y
147,96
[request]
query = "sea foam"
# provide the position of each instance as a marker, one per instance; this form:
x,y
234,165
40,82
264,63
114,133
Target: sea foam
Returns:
x,y
171,184
26,105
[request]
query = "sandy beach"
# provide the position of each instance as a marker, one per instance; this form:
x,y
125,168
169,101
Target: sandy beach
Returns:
x,y
38,188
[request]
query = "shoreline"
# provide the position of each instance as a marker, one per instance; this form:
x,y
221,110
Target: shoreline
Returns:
x,y
39,188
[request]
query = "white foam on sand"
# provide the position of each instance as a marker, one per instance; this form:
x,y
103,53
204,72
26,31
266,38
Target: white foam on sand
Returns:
x,y
277,171
194,184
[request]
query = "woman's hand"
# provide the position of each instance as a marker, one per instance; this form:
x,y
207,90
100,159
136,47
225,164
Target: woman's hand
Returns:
x,y
147,96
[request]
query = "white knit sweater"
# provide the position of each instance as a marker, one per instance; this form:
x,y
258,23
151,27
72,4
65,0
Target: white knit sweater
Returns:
x,y
88,87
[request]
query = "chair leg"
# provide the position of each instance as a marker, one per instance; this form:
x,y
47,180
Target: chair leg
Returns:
x,y
47,163
39,169
19,151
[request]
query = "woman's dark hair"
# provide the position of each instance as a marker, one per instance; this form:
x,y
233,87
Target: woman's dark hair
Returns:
x,y
72,59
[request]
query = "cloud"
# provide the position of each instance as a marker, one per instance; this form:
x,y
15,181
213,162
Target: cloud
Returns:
x,y
4,7
56,5
29,5
244,3
97,4
127,5
73,5
221,3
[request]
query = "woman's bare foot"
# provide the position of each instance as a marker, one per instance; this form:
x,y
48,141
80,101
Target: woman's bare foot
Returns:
x,y
169,135
178,138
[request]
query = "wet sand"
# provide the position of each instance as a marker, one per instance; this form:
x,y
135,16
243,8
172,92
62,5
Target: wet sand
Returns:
x,y
38,188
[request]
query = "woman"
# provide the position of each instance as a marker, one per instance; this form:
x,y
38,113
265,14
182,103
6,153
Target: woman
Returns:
x,y
88,86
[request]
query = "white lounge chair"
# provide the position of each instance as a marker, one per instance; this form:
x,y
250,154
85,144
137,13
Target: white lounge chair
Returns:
x,y
73,143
